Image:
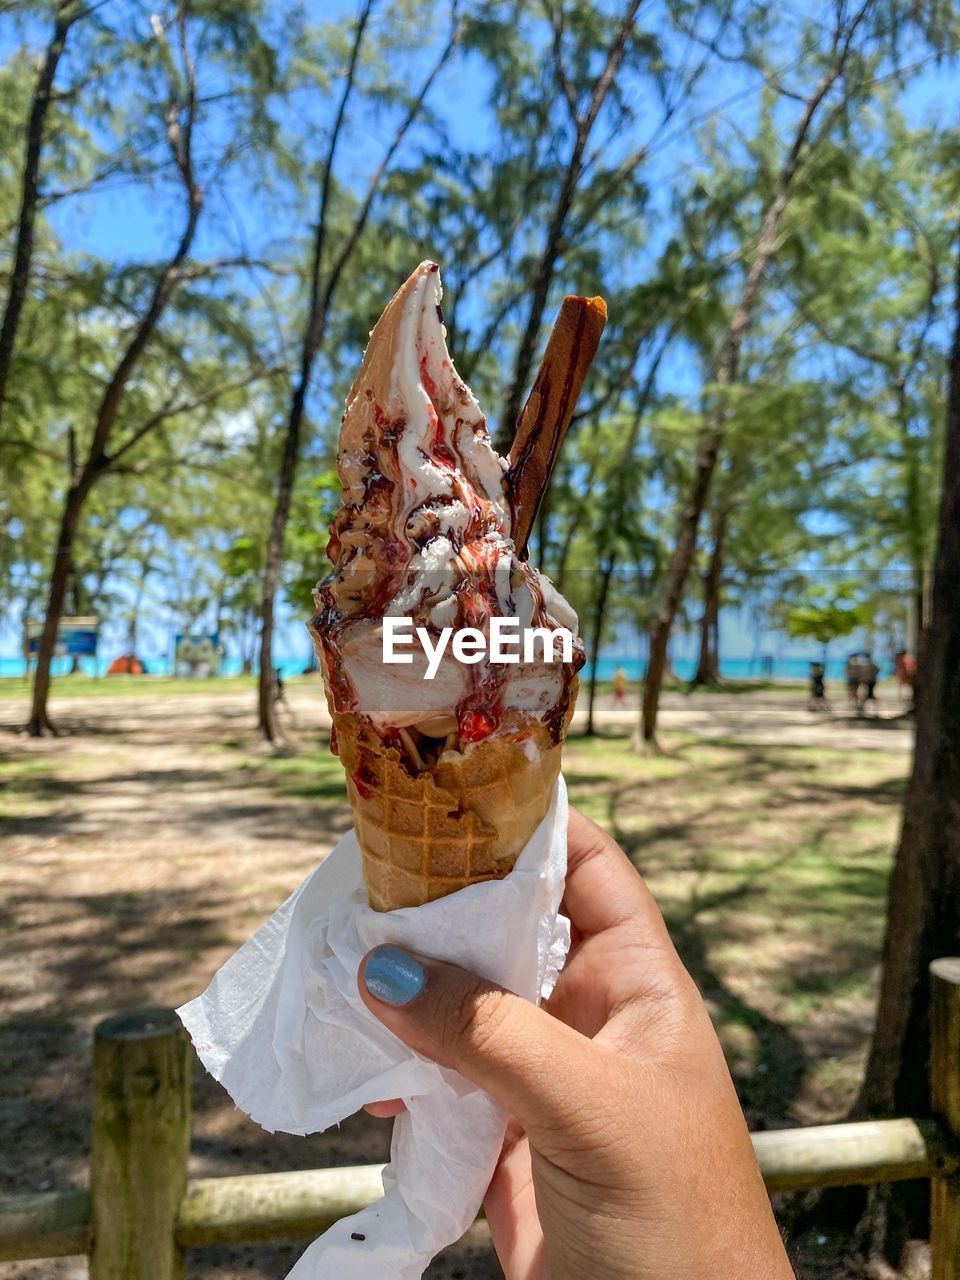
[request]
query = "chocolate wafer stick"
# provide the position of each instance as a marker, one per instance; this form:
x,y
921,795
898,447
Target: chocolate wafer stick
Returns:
x,y
546,415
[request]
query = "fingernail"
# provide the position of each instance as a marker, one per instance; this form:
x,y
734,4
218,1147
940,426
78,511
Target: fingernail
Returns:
x,y
393,976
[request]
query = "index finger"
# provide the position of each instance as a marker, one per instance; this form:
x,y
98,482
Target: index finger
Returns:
x,y
604,890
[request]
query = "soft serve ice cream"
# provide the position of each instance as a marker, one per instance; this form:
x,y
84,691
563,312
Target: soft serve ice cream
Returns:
x,y
448,776
424,533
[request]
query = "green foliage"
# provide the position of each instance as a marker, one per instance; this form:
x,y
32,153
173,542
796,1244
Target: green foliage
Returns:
x,y
827,614
314,508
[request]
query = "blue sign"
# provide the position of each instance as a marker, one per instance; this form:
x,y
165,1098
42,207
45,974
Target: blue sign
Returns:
x,y
76,643
197,655
76,638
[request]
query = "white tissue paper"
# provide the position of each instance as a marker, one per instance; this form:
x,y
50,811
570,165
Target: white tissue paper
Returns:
x,y
283,1028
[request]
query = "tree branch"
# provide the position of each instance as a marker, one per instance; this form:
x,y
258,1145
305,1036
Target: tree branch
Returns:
x,y
67,13
555,19
179,137
360,221
555,230
173,409
312,337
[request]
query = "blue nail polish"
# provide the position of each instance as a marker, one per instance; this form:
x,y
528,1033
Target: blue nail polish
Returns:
x,y
393,976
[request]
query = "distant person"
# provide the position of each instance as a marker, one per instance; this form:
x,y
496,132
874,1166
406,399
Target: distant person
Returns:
x,y
853,677
818,692
766,666
869,675
620,683
905,671
280,693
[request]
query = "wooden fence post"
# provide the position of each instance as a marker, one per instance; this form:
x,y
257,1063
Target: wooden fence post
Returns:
x,y
141,1144
945,1095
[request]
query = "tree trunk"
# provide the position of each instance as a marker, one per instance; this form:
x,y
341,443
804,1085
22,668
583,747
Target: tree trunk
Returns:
x,y
708,665
98,460
67,12
725,376
923,901
133,624
563,555
675,580
39,722
97,463
266,706
917,616
249,640
596,634
914,508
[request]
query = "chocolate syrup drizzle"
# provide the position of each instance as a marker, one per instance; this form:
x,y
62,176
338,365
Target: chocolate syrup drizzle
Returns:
x,y
370,549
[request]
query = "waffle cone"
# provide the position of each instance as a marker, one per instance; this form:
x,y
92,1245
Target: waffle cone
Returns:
x,y
463,820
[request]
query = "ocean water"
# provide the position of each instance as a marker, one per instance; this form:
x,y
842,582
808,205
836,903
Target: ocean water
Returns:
x,y
784,668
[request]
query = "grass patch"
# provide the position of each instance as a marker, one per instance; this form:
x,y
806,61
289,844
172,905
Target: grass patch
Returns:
x,y
81,686
32,786
307,775
770,864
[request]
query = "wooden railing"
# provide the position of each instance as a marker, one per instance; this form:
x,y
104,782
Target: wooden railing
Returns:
x,y
141,1211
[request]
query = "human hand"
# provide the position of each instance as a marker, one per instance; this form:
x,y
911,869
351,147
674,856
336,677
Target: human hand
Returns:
x,y
627,1155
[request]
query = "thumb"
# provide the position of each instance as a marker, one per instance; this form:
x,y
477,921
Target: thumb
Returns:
x,y
537,1068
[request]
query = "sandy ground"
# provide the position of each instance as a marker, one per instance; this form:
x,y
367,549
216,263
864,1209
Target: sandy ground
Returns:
x,y
152,848
772,716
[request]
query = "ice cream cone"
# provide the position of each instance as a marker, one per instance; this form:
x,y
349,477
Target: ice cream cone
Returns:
x,y
451,761
460,820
